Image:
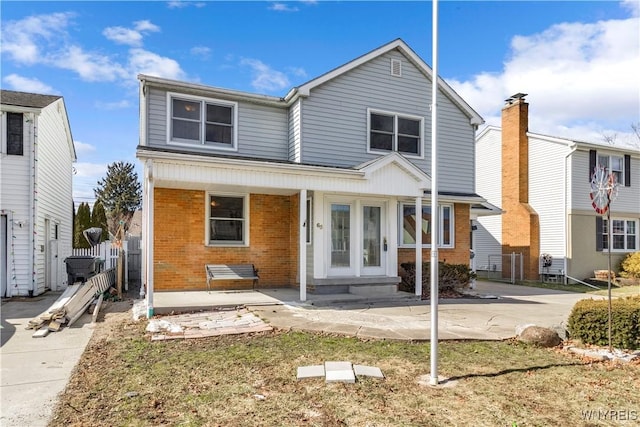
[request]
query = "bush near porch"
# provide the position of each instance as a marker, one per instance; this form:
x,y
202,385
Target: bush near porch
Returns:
x,y
451,277
589,322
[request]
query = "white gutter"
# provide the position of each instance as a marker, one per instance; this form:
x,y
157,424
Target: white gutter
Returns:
x,y
567,245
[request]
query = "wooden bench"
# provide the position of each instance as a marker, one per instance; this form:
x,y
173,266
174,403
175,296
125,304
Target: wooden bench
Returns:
x,y
231,272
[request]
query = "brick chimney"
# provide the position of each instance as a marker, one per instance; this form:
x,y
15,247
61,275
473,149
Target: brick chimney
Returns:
x,y
520,223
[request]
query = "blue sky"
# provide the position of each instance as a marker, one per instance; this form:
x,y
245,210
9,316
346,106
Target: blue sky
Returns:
x,y
578,61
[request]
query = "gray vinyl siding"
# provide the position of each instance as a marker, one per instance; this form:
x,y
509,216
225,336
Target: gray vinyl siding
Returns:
x,y
262,130
334,123
488,170
294,132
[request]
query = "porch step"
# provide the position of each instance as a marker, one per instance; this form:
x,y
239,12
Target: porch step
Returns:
x,y
363,286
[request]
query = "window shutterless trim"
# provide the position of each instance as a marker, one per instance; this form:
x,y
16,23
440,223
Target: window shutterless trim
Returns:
x,y
202,143
452,226
395,134
245,219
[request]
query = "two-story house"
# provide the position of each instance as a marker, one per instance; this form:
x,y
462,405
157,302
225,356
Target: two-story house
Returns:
x,y
543,184
318,189
36,201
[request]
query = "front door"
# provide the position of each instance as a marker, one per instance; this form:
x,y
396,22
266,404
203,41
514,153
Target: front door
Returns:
x,y
373,245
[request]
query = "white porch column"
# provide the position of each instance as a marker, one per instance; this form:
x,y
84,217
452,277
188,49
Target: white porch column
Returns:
x,y
148,241
419,246
302,245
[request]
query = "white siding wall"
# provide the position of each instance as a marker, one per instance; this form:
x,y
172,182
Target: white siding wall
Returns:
x,y
547,196
334,123
488,236
262,131
54,186
295,152
15,195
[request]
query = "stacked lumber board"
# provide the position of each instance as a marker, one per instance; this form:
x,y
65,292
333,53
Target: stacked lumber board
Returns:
x,y
73,302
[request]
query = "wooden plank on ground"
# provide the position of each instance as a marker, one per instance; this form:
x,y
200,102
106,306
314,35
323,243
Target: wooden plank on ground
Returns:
x,y
80,312
97,309
40,333
54,326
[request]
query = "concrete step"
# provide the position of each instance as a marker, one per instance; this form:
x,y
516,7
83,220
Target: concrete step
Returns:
x,y
373,290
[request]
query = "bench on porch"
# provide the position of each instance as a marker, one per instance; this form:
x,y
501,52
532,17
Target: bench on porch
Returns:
x,y
231,272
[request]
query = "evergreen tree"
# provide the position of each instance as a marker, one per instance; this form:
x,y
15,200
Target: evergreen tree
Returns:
x,y
99,220
82,222
120,193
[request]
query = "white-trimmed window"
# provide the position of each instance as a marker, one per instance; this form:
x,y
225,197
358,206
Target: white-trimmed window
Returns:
x,y
613,164
14,133
206,122
408,225
624,234
395,132
227,219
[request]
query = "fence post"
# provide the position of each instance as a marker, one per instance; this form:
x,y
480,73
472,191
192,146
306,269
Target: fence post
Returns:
x,y
513,267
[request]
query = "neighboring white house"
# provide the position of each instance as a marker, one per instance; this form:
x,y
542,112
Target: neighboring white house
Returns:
x,y
546,181
36,204
319,188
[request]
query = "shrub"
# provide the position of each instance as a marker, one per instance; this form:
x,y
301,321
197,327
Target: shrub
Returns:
x,y
450,277
589,322
630,266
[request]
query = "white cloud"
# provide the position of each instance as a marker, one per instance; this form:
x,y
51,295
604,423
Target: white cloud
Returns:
x,y
145,62
25,84
264,77
201,51
130,36
283,7
581,79
91,67
24,41
179,4
123,35
297,71
83,148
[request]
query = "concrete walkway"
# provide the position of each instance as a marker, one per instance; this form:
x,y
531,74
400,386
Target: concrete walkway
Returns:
x,y
35,370
403,316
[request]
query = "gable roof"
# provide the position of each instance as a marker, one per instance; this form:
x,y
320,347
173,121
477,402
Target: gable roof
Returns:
x,y
403,48
25,99
567,141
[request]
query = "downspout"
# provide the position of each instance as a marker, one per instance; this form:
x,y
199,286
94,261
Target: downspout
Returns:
x,y
33,185
566,213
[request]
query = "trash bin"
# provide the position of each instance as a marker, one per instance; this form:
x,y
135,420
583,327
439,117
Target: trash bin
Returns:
x,y
80,267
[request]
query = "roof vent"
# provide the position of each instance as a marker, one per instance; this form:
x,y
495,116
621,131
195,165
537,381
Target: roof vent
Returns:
x,y
396,67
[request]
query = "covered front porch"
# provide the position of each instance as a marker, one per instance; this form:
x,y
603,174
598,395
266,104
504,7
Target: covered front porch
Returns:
x,y
314,229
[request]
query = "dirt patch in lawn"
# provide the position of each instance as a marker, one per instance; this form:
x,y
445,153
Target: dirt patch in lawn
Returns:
x,y
124,378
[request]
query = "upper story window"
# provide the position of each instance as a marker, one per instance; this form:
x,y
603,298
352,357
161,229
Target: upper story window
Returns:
x,y
15,134
613,164
205,122
395,132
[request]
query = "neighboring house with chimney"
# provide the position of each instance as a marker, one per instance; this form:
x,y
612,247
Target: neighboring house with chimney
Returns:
x,y
318,189
542,185
36,201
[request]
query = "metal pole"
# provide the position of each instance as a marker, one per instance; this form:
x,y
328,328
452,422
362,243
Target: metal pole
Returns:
x,y
609,244
435,221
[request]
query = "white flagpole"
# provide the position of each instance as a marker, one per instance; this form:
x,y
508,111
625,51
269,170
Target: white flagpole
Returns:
x,y
435,211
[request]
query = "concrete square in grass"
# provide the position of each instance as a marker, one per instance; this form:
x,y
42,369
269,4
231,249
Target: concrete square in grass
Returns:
x,y
367,371
339,372
310,371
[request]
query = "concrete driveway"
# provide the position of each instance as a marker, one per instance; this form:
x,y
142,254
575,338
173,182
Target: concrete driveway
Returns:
x,y
35,370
